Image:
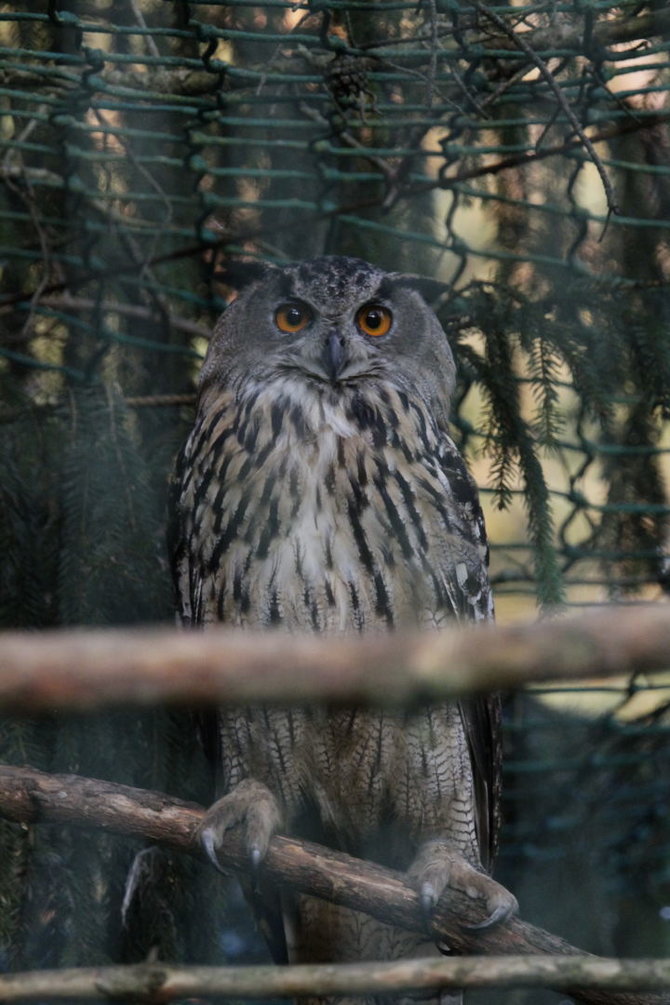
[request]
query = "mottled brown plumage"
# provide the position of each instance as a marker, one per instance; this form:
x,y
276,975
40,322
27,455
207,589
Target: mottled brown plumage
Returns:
x,y
320,491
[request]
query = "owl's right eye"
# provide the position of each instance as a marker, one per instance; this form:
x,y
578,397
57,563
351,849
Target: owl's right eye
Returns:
x,y
292,317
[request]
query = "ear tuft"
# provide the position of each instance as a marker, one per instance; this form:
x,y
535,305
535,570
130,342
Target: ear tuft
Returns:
x,y
430,289
237,273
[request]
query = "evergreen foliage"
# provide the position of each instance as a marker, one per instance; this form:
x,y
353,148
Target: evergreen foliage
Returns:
x,y
82,529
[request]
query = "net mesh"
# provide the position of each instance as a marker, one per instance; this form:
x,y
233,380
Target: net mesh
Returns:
x,y
521,154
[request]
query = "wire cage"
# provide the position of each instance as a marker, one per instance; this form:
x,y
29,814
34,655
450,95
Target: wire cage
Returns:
x,y
519,153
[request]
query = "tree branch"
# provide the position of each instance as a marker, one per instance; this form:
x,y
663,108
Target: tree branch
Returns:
x,y
184,84
82,670
610,132
161,982
520,41
630,27
29,796
70,303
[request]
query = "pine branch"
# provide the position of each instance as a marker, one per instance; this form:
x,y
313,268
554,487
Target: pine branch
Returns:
x,y
27,796
81,670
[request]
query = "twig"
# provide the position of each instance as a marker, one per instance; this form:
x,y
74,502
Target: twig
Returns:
x,y
81,670
69,303
531,156
29,796
564,37
160,400
630,27
433,48
149,40
346,137
536,59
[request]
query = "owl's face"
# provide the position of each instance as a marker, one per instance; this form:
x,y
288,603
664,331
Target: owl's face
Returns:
x,y
333,324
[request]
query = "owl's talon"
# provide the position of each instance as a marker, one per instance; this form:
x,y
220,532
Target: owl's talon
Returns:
x,y
439,866
250,806
429,898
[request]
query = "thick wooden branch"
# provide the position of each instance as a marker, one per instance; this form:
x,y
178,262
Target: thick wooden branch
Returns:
x,y
28,796
82,670
160,982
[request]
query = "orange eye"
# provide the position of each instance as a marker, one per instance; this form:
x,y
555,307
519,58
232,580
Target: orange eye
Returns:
x,y
373,319
292,317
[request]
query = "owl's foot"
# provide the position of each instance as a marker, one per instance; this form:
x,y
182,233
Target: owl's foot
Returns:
x,y
439,866
250,806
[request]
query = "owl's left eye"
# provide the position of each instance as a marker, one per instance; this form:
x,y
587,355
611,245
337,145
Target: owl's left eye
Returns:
x,y
292,317
374,319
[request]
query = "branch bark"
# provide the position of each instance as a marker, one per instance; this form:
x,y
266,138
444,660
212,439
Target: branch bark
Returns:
x,y
82,670
161,982
29,796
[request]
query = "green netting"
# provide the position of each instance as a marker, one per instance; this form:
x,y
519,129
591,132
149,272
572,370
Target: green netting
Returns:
x,y
521,153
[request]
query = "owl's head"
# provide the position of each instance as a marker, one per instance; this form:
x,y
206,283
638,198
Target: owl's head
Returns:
x,y
334,323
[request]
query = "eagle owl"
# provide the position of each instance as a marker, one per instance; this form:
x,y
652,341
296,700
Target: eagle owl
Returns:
x,y
320,491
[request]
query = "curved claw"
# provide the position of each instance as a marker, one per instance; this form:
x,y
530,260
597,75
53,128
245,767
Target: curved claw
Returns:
x,y
208,840
498,915
429,898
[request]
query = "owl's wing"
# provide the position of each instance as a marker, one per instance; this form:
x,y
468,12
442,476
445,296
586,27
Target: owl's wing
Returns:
x,y
481,719
264,900
481,716
184,581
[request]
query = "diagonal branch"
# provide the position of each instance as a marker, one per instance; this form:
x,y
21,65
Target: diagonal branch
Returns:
x,y
29,796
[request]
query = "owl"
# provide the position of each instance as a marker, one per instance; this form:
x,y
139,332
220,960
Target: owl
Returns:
x,y
320,491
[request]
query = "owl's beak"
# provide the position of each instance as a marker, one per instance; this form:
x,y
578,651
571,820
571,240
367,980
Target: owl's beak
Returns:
x,y
333,356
